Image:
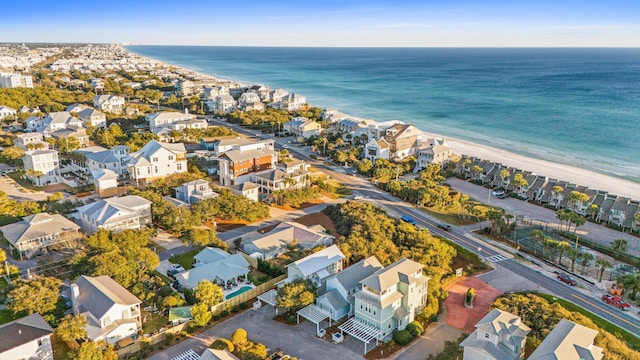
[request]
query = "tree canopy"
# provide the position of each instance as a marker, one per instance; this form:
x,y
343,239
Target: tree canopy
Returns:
x,y
37,295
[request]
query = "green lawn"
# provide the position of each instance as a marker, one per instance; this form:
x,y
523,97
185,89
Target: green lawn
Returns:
x,y
153,322
631,339
25,183
186,259
6,316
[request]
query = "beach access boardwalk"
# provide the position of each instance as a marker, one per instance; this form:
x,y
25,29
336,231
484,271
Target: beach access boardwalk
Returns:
x,y
595,232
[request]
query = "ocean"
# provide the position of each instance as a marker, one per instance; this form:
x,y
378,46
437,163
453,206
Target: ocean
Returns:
x,y
579,107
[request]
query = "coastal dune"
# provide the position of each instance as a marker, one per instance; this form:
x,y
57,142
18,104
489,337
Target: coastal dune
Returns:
x,y
593,180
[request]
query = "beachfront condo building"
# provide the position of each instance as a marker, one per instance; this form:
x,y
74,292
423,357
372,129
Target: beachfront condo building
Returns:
x,y
238,166
14,80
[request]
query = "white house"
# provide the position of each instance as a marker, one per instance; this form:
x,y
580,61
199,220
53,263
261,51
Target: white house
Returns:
x,y
115,214
498,336
250,101
219,145
302,127
276,95
105,182
7,112
317,267
76,108
290,175
36,139
94,118
26,338
391,297
109,103
568,341
15,80
275,242
165,119
42,167
59,121
376,149
114,159
247,189
34,123
340,288
217,266
112,311
36,232
213,92
156,160
436,151
291,102
222,103
194,191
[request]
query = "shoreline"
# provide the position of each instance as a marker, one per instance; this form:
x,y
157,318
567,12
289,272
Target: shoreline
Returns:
x,y
585,177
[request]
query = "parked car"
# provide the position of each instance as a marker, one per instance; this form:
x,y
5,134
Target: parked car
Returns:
x,y
445,227
565,278
616,301
497,193
175,269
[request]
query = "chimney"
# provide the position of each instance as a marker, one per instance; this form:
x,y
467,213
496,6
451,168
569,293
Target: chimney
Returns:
x,y
75,292
186,111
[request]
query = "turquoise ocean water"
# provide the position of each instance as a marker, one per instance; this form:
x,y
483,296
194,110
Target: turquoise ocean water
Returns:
x,y
573,106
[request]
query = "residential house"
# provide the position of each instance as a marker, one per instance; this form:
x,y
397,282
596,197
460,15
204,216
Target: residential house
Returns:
x,y
291,102
30,140
115,214
274,243
59,121
534,188
27,110
404,141
247,189
113,312
34,123
376,149
114,159
219,145
261,90
208,354
42,167
276,95
34,233
109,103
568,341
339,297
105,182
222,103
217,266
391,297
302,127
76,108
94,118
26,338
499,335
156,160
215,91
436,151
618,210
79,134
238,166
168,119
15,80
347,125
250,101
316,267
7,112
290,175
195,191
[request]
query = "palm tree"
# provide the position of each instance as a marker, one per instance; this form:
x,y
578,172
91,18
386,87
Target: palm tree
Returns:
x,y
593,209
562,246
504,173
573,254
477,171
537,236
557,190
602,264
631,283
575,198
586,258
619,246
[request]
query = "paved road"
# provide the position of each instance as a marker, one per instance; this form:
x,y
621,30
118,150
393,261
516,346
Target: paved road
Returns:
x,y
362,187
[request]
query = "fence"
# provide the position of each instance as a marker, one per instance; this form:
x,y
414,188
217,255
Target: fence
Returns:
x,y
246,296
150,341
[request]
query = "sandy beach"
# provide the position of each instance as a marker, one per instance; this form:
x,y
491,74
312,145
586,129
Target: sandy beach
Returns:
x,y
579,176
593,180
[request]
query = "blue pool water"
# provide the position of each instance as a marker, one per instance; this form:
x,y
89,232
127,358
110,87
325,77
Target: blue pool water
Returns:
x,y
243,289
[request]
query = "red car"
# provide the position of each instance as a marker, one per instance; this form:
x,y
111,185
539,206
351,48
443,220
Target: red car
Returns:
x,y
616,301
567,279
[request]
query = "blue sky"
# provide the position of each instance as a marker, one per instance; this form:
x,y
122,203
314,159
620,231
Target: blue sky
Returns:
x,y
494,23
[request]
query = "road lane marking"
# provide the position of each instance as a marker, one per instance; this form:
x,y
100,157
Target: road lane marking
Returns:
x,y
497,258
607,310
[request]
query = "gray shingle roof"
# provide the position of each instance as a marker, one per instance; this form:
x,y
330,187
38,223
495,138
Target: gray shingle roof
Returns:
x,y
99,294
37,226
22,331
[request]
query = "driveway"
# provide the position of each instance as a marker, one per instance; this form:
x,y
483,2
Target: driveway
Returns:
x,y
595,232
299,340
458,315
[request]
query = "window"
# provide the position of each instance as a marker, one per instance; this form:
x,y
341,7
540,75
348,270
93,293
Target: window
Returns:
x,y
155,159
179,167
170,157
486,335
155,168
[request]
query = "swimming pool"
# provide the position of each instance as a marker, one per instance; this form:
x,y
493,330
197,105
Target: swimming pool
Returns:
x,y
238,292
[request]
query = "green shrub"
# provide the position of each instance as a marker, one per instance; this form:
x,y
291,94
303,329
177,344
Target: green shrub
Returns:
x,y
222,344
290,319
470,294
216,317
235,309
402,337
224,313
244,306
415,328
